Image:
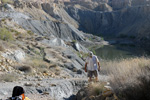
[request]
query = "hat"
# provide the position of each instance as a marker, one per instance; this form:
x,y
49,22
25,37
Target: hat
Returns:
x,y
90,53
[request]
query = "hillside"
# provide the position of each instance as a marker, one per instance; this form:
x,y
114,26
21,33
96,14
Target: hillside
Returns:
x,y
40,50
44,43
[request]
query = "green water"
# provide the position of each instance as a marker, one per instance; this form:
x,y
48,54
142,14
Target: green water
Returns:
x,y
110,52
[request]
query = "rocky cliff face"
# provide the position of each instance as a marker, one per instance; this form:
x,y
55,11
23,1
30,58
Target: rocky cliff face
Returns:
x,y
113,18
121,20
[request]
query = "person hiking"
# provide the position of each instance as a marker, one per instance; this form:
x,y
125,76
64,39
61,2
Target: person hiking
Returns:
x,y
92,66
18,94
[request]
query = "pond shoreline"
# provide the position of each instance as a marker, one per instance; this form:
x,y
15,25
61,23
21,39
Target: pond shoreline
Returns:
x,y
118,49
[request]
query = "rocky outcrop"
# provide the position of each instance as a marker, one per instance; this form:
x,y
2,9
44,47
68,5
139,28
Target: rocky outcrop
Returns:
x,y
16,55
49,28
6,64
91,92
52,89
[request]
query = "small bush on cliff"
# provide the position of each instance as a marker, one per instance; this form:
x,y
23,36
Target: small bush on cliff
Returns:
x,y
5,34
74,41
30,32
82,55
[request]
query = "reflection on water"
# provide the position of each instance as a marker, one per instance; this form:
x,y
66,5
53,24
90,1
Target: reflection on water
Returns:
x,y
110,52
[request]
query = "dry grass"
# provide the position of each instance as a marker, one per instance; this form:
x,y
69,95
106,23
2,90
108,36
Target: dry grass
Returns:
x,y
9,77
96,89
38,63
129,77
2,48
6,35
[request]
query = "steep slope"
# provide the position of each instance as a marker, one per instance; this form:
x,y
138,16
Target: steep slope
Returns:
x,y
129,21
40,50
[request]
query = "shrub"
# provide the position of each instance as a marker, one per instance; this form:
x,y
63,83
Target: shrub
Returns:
x,y
82,55
5,34
96,89
102,38
130,78
94,52
7,1
3,20
90,39
30,32
74,41
39,63
15,31
1,48
25,69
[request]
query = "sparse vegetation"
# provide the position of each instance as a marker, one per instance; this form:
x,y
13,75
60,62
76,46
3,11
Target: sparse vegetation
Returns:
x,y
1,48
3,20
39,63
8,77
74,41
93,48
129,77
16,32
82,54
90,39
30,32
94,52
5,34
102,38
96,89
7,1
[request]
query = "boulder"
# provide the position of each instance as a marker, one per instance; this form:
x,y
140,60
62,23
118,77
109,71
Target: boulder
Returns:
x,y
54,42
77,46
8,7
16,55
18,4
105,94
